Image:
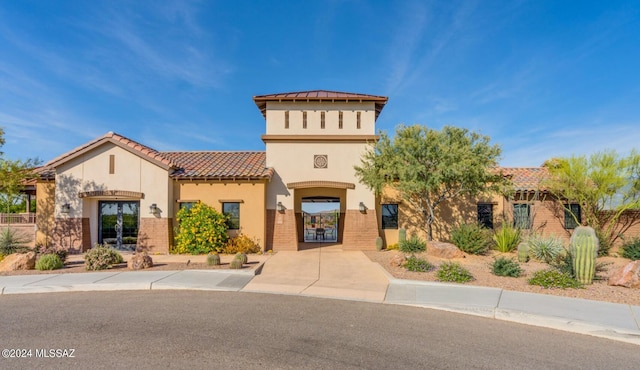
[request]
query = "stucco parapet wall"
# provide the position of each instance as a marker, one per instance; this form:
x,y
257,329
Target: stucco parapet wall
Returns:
x,y
111,193
320,184
320,138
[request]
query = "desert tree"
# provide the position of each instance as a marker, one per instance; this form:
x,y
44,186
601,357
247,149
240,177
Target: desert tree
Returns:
x,y
429,167
605,184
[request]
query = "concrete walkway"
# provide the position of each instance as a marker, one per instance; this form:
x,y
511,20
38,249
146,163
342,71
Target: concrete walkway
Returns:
x,y
329,272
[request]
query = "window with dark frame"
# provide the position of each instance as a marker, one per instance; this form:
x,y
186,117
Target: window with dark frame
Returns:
x,y
569,211
286,119
522,216
358,120
304,119
187,205
389,216
340,120
322,120
485,215
232,211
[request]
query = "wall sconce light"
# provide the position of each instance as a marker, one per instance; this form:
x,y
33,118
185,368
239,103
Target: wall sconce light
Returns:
x,y
153,209
280,207
65,208
362,208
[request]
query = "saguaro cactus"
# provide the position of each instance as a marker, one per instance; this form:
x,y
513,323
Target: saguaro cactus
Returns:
x,y
379,244
523,252
584,250
402,235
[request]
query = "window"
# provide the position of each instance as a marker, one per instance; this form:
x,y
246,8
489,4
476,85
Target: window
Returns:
x,y
569,221
340,120
322,120
521,216
485,215
304,119
389,216
358,120
286,119
232,210
187,205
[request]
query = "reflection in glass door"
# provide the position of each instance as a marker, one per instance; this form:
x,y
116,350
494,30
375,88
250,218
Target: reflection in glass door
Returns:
x,y
118,221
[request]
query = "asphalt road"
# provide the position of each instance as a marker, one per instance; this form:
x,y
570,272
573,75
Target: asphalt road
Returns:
x,y
185,329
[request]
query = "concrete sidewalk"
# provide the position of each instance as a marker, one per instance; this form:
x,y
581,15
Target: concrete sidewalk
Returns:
x,y
333,273
601,319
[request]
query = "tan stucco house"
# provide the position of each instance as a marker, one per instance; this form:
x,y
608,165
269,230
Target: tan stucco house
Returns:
x,y
301,189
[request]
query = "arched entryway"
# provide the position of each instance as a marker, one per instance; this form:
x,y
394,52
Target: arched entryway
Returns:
x,y
320,219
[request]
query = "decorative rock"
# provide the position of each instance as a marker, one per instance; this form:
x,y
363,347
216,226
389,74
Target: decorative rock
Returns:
x,y
398,260
444,250
19,261
627,276
140,261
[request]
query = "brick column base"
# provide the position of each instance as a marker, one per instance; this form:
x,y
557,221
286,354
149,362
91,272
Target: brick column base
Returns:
x,y
281,231
155,235
360,230
72,234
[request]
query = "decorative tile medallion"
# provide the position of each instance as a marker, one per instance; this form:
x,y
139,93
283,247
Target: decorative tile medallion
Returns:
x,y
320,161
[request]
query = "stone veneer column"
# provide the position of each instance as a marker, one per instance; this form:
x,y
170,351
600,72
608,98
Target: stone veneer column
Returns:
x,y
360,230
69,233
86,234
155,235
281,231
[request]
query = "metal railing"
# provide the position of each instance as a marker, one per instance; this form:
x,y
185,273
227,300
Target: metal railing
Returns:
x,y
17,218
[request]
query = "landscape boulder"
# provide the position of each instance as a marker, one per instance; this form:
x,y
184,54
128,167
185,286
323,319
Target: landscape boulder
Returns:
x,y
627,276
398,260
444,250
18,261
140,261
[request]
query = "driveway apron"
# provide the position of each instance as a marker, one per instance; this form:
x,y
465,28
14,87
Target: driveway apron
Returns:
x,y
322,272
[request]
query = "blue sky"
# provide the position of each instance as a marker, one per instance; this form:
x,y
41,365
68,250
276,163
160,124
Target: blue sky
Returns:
x,y
542,78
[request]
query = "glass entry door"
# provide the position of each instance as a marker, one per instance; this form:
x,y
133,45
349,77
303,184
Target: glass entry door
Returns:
x,y
119,224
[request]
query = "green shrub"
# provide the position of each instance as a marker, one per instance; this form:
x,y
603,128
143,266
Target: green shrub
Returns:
x,y
506,239
13,241
605,243
241,244
453,272
546,249
101,257
1,257
50,249
503,266
202,230
49,262
412,245
553,278
631,249
471,238
418,264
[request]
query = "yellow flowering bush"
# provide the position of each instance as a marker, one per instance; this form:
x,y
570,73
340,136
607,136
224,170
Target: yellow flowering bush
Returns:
x,y
241,244
202,230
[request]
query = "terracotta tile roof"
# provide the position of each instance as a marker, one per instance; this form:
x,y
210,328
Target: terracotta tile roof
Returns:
x,y
150,154
319,95
316,95
219,165
526,178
